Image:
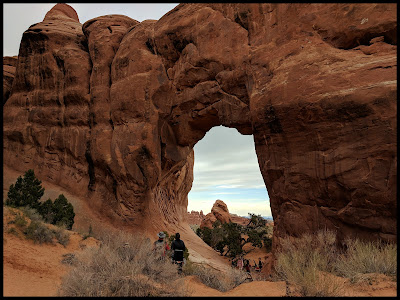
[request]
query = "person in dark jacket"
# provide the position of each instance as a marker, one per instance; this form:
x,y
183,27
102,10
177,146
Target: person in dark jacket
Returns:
x,y
178,246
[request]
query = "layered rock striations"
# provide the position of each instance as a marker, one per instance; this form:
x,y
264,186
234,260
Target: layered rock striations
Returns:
x,y
111,109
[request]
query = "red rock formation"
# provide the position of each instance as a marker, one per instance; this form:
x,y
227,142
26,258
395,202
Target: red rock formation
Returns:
x,y
195,217
219,212
9,68
115,120
239,220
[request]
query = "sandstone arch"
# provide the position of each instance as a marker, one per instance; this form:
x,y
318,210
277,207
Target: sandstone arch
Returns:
x,y
111,109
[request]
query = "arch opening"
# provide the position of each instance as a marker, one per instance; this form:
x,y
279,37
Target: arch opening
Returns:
x,y
226,168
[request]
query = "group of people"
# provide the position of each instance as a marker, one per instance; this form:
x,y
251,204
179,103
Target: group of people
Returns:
x,y
242,263
162,249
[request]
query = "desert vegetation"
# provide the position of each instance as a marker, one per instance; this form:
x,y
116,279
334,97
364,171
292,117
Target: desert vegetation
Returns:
x,y
27,223
23,199
316,267
125,266
230,238
213,278
27,192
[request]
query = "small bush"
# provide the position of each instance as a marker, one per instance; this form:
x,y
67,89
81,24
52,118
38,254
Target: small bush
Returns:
x,y
39,233
213,278
20,221
302,261
62,236
312,262
31,213
13,231
124,266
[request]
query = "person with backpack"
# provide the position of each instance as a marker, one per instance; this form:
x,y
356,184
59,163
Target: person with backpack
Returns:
x,y
260,264
160,247
178,246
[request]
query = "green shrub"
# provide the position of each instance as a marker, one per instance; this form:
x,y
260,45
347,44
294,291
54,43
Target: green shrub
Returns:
x,y
228,238
46,210
39,233
27,191
63,212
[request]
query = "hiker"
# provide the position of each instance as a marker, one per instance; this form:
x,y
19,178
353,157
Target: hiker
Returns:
x,y
160,247
260,264
256,267
240,263
247,268
178,246
233,263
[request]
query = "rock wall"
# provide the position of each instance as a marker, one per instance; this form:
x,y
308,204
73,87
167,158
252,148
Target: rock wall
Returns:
x,y
9,69
111,109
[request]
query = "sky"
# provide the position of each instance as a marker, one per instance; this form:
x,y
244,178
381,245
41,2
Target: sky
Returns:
x,y
226,166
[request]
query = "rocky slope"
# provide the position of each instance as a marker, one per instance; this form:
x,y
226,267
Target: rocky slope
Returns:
x,y
111,109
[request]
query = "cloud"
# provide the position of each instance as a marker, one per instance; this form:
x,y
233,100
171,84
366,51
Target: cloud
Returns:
x,y
226,166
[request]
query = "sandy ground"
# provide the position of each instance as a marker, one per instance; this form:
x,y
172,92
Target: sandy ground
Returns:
x,y
31,269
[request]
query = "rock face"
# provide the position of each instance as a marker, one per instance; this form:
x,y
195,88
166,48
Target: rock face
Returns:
x,y
219,212
111,109
9,68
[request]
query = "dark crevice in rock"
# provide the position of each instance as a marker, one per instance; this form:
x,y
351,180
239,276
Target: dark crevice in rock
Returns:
x,y
345,42
272,120
242,20
150,46
88,156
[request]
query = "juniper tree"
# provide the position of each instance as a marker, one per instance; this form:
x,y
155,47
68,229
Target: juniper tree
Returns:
x,y
27,191
63,212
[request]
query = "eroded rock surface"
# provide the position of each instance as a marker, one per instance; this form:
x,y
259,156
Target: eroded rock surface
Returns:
x,y
219,212
9,68
111,109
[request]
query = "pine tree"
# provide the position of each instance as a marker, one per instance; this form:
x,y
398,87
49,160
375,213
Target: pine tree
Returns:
x,y
46,210
27,191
